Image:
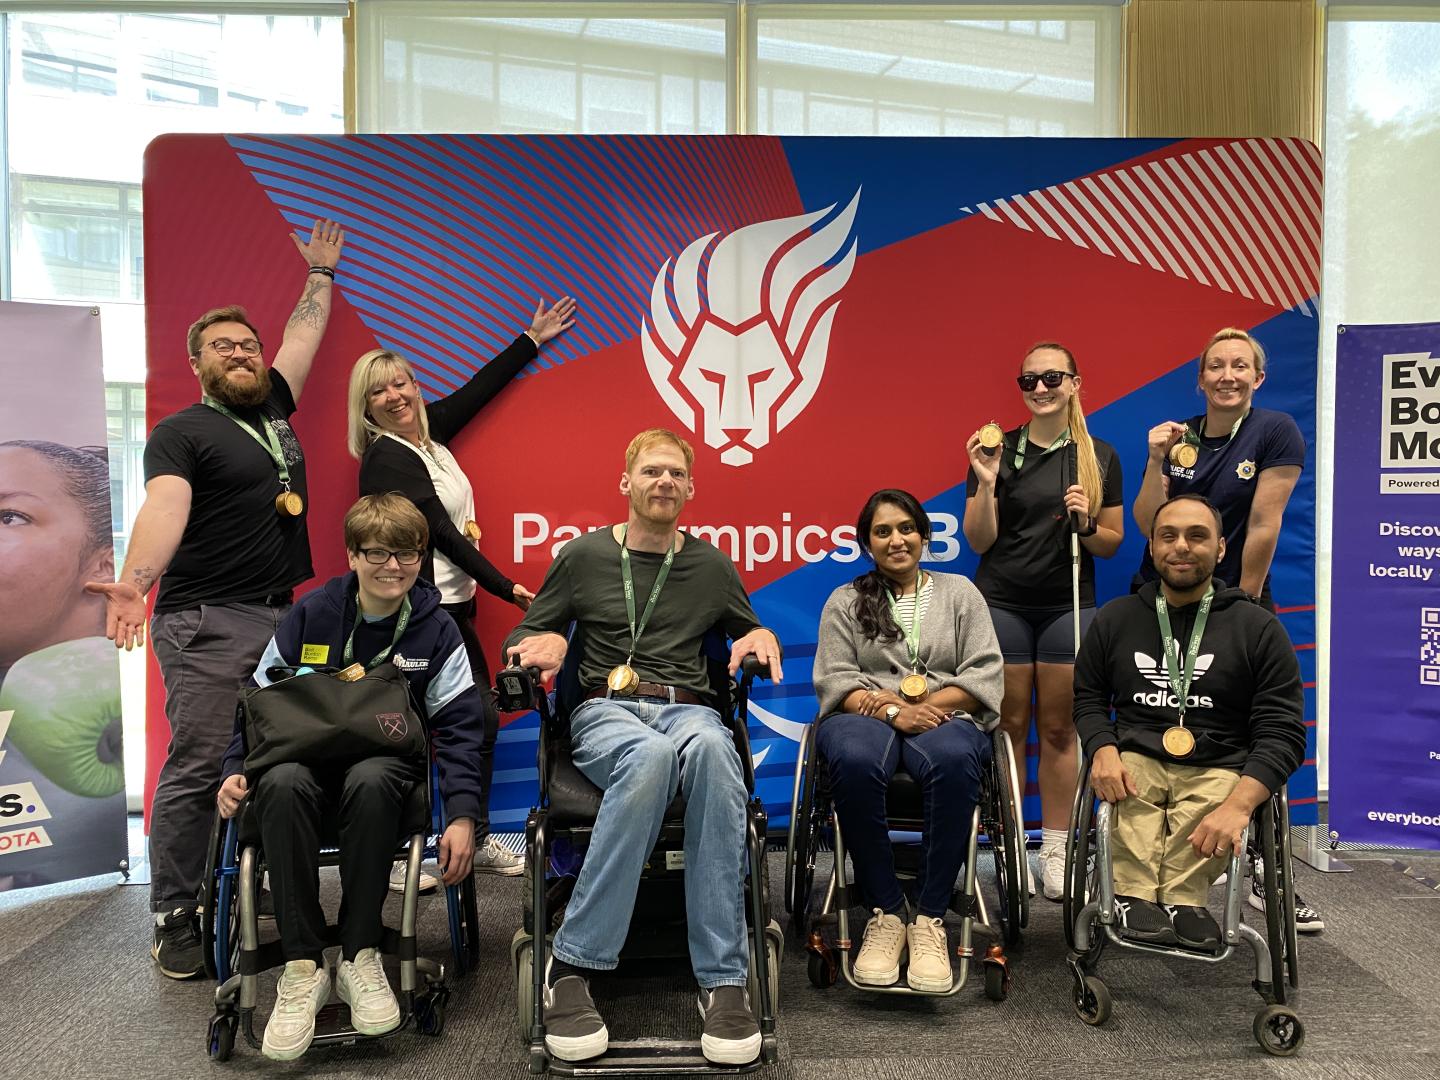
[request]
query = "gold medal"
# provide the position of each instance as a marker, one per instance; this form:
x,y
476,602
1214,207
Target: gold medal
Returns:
x,y
288,504
1184,454
353,673
472,530
914,689
991,436
622,679
1178,741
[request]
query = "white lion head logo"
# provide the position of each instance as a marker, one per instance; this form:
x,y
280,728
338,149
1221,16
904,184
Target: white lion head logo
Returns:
x,y
739,327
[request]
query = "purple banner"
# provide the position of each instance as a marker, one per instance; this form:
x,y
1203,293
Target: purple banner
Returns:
x,y
1385,587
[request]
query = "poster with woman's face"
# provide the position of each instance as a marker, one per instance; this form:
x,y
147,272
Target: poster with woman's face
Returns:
x,y
62,777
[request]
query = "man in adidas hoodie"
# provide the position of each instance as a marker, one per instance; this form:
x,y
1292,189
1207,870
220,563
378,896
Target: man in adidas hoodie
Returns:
x,y
1182,800
386,537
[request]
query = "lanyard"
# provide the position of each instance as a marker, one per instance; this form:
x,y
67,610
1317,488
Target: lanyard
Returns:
x,y
912,632
636,629
1192,434
380,657
271,443
1180,681
1023,442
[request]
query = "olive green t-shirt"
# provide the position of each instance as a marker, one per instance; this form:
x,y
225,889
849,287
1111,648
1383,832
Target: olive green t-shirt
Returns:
x,y
584,585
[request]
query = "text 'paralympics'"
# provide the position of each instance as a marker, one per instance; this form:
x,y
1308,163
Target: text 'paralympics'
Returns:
x,y
750,546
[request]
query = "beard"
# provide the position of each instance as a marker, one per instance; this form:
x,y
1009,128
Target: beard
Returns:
x,y
216,383
1184,580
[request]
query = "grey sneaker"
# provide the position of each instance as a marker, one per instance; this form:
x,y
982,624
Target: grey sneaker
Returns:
x,y
574,1030
176,949
731,1037
491,858
428,881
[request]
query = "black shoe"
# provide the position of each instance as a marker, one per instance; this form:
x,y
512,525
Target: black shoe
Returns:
x,y
1307,919
574,1030
1144,920
732,1037
177,949
1195,927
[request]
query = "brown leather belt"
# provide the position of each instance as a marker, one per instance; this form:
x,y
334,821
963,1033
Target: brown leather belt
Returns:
x,y
651,690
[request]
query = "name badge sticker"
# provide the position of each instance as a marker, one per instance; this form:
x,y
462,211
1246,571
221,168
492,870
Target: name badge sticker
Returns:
x,y
314,654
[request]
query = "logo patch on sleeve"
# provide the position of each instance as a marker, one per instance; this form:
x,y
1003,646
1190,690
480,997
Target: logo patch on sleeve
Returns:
x,y
314,654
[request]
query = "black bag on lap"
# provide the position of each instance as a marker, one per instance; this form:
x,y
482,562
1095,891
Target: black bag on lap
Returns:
x,y
318,719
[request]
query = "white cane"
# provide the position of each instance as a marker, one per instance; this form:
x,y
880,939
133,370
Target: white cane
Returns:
x,y
1073,457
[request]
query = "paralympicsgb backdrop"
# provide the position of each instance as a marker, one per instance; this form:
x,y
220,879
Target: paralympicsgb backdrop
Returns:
x,y
821,317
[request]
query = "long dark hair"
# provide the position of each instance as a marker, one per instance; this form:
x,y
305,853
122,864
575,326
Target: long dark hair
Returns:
x,y
871,609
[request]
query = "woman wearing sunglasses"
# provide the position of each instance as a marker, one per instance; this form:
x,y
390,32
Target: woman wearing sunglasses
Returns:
x,y
1022,499
400,443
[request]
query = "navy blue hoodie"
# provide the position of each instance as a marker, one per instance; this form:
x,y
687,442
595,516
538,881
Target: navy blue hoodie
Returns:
x,y
432,656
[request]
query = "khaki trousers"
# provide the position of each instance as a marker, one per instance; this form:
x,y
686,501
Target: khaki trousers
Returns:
x,y
1150,841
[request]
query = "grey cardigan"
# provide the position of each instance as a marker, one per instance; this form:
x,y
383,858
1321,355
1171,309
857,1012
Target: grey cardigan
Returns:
x,y
957,647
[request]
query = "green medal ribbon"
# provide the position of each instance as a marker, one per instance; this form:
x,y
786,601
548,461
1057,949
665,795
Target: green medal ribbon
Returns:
x,y
1192,434
1024,441
636,629
1180,680
912,632
271,442
384,654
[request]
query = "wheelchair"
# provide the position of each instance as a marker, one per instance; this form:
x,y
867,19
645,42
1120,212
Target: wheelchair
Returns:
x,y
558,828
235,956
1088,910
814,825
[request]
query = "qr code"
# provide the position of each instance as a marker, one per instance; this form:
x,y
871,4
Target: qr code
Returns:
x,y
1430,646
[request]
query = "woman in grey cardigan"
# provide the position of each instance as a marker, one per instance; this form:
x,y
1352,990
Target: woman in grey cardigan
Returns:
x,y
907,673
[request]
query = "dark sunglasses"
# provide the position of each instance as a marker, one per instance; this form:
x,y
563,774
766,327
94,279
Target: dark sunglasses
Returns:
x,y
1051,379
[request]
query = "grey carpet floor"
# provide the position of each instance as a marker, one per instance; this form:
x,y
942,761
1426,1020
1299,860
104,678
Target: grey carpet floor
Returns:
x,y
80,998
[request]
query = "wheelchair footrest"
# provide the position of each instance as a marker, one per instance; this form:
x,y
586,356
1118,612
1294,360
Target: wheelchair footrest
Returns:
x,y
649,1056
332,1025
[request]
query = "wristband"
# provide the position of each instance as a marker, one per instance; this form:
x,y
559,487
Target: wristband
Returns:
x,y
1091,531
328,271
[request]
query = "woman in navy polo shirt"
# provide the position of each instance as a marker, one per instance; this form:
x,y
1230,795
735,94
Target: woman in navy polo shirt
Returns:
x,y
1244,460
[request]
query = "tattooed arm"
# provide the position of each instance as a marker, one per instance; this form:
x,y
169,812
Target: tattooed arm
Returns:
x,y
307,322
158,528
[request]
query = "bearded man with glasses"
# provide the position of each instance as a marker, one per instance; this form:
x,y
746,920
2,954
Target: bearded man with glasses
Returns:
x,y
223,531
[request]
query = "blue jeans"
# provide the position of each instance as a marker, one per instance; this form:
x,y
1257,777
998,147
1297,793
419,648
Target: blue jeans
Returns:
x,y
639,752
948,762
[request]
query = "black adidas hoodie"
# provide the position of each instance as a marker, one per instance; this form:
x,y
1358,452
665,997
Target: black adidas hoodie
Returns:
x,y
1246,707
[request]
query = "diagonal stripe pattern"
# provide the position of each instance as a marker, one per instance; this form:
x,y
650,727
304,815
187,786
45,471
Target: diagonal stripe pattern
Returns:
x,y
1240,215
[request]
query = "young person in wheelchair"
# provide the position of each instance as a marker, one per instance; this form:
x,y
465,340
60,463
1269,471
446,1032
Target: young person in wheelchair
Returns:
x,y
644,595
1208,723
908,673
378,613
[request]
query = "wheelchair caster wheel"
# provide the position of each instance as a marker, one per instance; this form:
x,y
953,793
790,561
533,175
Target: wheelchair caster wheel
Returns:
x,y
430,1012
1092,1000
1278,1030
221,1042
539,1061
997,982
822,974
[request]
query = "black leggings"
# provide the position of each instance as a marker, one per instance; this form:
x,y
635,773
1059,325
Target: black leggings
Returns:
x,y
464,616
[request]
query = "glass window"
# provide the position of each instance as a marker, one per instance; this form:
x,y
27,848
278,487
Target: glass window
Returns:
x,y
864,70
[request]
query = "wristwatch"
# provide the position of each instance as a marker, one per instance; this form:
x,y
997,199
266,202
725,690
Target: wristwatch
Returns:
x,y
891,712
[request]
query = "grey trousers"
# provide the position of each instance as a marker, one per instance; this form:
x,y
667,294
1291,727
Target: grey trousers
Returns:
x,y
206,654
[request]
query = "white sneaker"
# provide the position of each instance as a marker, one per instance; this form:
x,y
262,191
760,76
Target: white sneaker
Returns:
x,y
881,950
491,858
428,881
929,968
362,985
303,988
1052,872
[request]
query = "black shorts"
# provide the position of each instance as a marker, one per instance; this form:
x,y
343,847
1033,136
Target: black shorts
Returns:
x,y
1038,637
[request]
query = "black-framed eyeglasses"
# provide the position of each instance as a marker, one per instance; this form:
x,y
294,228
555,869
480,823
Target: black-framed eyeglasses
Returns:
x,y
1051,379
225,347
380,556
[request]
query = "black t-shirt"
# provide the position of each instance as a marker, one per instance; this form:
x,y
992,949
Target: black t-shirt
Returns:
x,y
1028,566
1226,474
236,547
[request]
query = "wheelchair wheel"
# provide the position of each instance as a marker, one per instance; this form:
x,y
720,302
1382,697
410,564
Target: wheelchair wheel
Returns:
x,y
1078,853
525,987
997,982
430,1011
803,847
1002,826
1017,818
821,972
1285,866
220,904
793,831
463,911
1092,1000
773,955
220,1041
1279,1031
1279,902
